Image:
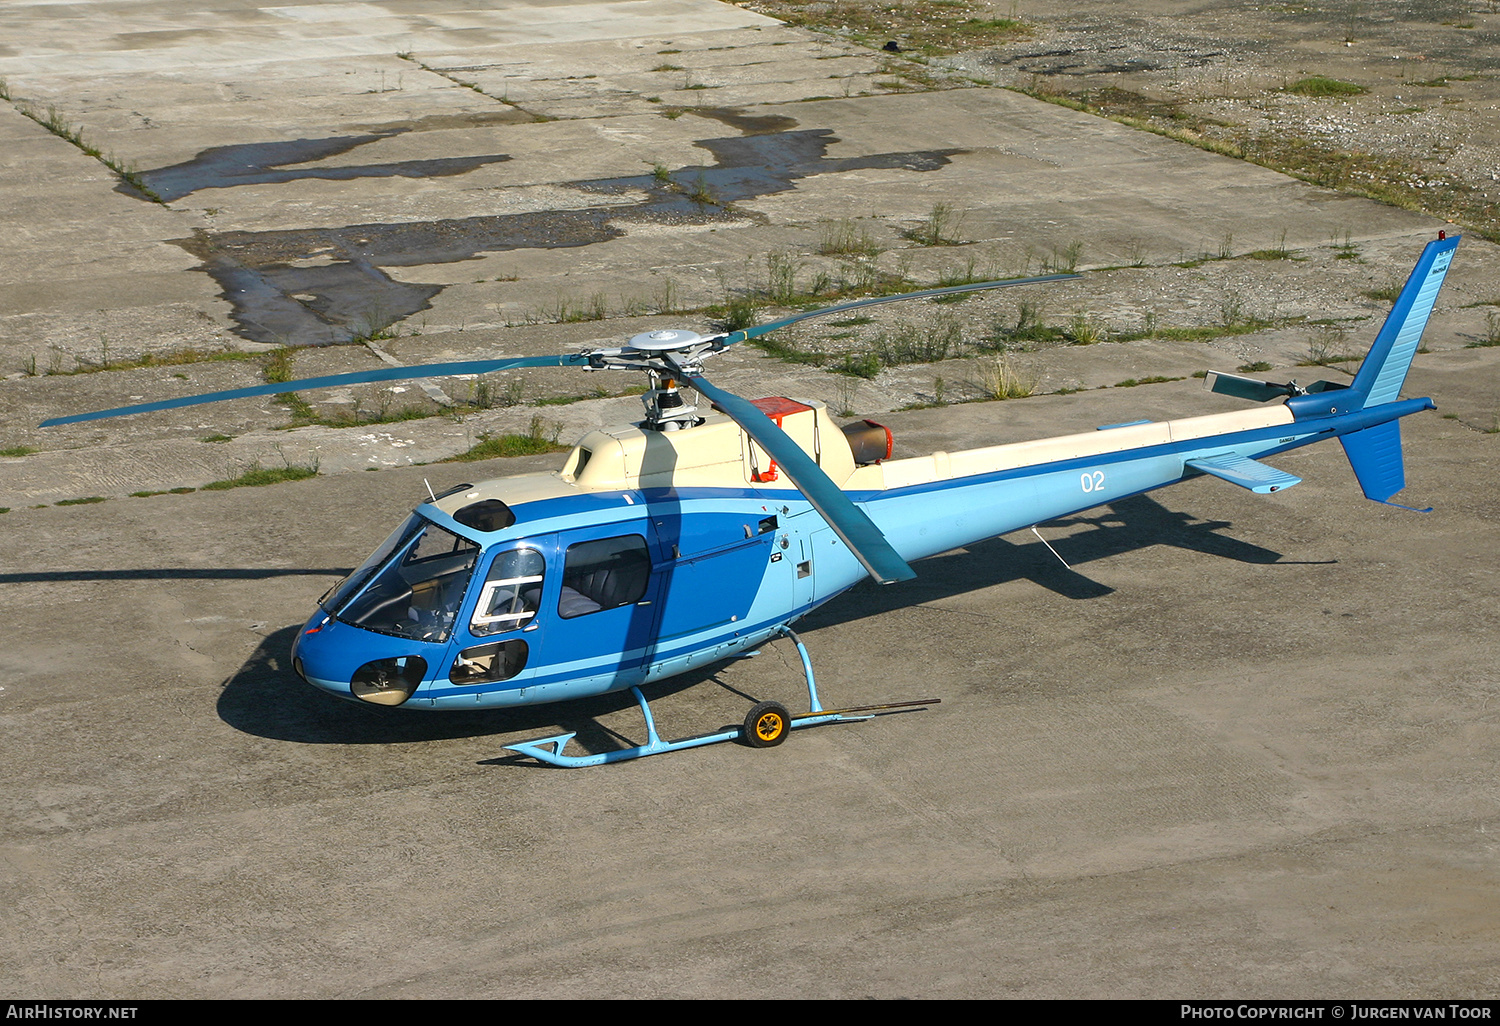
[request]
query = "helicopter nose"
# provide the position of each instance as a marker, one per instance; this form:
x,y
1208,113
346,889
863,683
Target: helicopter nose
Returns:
x,y
357,665
315,656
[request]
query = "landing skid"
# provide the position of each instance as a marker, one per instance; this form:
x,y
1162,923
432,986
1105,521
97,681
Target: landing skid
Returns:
x,y
765,726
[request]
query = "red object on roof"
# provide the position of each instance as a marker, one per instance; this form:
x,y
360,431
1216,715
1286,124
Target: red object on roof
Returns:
x,y
778,406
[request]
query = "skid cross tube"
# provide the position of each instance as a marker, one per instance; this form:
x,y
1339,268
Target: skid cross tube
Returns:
x,y
549,750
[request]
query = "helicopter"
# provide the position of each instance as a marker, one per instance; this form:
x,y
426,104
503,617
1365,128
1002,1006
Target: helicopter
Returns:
x,y
696,536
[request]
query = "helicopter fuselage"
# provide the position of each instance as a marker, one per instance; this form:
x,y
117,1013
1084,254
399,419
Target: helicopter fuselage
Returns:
x,y
651,554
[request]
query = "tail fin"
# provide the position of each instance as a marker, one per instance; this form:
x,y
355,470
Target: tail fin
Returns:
x,y
1375,452
1375,455
1383,371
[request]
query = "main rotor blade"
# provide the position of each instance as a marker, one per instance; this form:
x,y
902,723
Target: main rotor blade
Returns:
x,y
851,524
1245,388
426,370
759,330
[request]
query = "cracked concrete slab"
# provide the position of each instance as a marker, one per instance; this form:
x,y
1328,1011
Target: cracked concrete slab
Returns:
x,y
1242,748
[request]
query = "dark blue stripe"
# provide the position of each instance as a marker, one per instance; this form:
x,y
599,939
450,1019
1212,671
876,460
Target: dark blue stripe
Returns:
x,y
656,657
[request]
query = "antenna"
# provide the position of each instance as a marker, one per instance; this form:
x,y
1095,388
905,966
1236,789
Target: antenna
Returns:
x,y
429,490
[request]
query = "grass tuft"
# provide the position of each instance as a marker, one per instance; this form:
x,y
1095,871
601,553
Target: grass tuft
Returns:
x,y
1320,85
846,237
940,228
997,378
278,365
1326,346
260,476
1387,293
1491,336
169,491
535,442
1155,379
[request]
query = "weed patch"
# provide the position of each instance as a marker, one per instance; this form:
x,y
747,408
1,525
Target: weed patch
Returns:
x,y
169,491
863,365
278,366
998,378
789,352
1028,332
907,343
1491,336
1084,330
846,237
1326,346
940,228
54,122
535,442
739,313
1387,293
261,476
1319,85
1155,379
175,358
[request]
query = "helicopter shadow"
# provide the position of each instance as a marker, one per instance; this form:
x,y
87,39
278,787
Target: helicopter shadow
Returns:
x,y
1132,524
265,698
172,574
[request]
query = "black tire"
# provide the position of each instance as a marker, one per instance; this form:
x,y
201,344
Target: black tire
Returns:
x,y
767,724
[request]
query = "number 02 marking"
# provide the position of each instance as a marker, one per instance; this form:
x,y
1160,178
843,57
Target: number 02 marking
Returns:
x,y
1092,480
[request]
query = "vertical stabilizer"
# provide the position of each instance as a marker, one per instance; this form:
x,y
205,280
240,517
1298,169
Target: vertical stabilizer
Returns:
x,y
1375,455
1384,370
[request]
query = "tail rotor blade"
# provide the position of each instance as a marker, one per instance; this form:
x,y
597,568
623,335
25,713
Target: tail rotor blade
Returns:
x,y
428,370
1246,388
848,521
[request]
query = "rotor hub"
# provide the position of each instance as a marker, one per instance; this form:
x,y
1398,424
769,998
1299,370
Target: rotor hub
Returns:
x,y
665,340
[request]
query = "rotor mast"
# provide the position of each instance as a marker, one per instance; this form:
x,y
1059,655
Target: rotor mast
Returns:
x,y
667,357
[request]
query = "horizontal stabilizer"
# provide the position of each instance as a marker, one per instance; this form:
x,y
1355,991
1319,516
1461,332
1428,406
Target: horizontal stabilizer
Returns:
x,y
1245,472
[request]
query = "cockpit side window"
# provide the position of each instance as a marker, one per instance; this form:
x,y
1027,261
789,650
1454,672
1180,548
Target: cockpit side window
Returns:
x,y
512,593
603,574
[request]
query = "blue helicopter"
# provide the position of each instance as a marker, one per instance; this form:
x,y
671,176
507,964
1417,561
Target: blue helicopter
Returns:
x,y
696,536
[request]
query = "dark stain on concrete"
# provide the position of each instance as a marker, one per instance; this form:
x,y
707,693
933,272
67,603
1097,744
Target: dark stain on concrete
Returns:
x,y
269,163
746,124
315,286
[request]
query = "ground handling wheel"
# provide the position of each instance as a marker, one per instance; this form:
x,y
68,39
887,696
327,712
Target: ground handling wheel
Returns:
x,y
767,724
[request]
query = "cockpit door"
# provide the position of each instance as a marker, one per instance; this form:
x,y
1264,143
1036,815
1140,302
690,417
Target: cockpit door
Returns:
x,y
494,644
557,616
598,612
